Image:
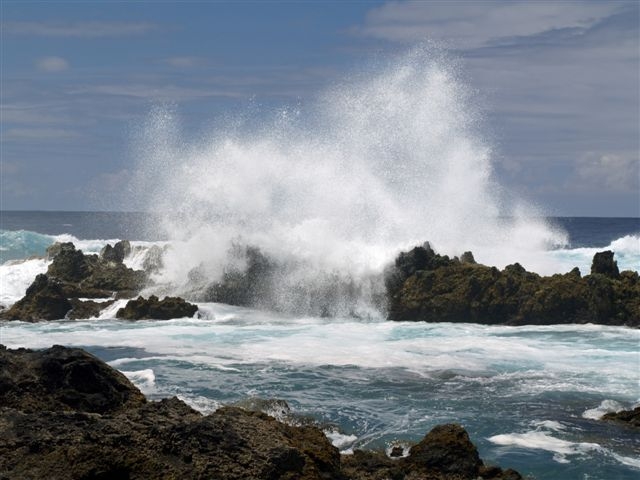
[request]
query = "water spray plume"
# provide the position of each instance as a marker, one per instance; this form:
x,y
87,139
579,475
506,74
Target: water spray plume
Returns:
x,y
373,166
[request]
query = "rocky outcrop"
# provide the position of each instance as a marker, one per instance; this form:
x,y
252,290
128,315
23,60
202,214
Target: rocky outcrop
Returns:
x,y
72,275
43,300
86,308
64,414
604,264
63,379
117,253
92,276
423,285
630,418
153,308
253,279
446,452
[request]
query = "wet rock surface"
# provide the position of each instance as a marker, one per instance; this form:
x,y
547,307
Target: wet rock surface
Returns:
x,y
45,299
154,308
64,414
630,418
422,285
73,277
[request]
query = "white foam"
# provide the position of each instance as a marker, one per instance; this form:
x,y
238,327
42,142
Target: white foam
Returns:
x,y
340,440
543,441
87,246
633,462
550,425
606,406
626,249
145,380
110,311
202,404
16,276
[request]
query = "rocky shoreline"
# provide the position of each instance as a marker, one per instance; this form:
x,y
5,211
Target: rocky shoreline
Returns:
x,y
64,414
425,286
420,285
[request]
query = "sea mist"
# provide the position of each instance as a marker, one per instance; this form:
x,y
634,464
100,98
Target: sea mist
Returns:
x,y
328,193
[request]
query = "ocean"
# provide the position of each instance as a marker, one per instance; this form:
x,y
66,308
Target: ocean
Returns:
x,y
530,396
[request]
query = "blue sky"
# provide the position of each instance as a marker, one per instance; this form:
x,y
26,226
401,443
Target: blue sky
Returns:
x,y
559,82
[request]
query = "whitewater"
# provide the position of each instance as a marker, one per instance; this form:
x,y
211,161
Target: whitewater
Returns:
x,y
392,157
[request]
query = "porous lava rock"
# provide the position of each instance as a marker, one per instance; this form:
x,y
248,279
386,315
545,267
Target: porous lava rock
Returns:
x,y
65,414
423,285
43,300
92,276
63,379
627,417
155,309
73,276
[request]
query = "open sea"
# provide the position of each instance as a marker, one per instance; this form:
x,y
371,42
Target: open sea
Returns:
x,y
530,397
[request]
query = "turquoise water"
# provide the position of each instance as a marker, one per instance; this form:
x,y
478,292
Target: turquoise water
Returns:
x,y
529,396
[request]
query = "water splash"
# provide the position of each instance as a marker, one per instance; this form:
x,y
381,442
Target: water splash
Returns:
x,y
381,162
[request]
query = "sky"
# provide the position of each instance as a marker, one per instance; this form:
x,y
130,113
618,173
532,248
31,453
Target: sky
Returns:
x,y
559,83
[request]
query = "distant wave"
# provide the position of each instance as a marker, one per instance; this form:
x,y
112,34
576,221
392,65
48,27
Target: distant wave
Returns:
x,y
22,244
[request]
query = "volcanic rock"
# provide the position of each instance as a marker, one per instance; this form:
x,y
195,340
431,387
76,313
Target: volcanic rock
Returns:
x,y
423,285
43,300
447,449
64,414
155,309
63,379
91,276
117,253
87,308
627,417
604,264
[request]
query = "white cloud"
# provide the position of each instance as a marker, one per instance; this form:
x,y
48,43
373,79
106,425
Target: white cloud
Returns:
x,y
609,171
78,29
52,64
474,24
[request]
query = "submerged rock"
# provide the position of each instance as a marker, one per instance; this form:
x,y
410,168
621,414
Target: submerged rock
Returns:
x,y
423,285
155,309
627,417
65,414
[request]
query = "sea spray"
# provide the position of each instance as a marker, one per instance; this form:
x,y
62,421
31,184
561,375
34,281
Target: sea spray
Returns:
x,y
379,163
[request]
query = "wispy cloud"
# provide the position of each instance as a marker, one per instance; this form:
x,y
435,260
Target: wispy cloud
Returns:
x,y
52,64
38,134
471,24
86,29
616,172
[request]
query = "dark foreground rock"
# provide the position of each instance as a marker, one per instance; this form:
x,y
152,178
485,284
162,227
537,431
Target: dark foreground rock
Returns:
x,y
63,379
153,308
64,414
423,285
626,417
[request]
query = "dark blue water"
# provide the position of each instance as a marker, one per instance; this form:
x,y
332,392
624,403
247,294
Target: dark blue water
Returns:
x,y
583,231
